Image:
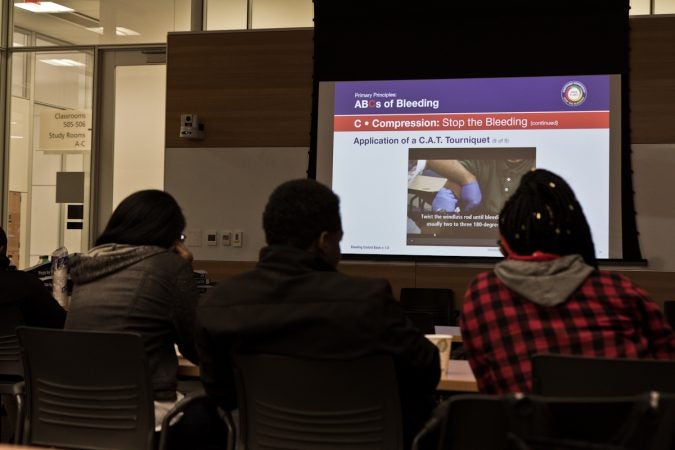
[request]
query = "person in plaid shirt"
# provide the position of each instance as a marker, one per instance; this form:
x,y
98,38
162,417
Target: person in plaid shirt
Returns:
x,y
548,295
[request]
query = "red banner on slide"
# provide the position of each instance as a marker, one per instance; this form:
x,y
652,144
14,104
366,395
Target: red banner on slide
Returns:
x,y
474,121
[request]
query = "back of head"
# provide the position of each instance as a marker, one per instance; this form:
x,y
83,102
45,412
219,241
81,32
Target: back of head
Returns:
x,y
298,211
544,215
149,217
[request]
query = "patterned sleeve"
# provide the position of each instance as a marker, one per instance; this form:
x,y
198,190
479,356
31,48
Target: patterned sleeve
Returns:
x,y
655,327
474,335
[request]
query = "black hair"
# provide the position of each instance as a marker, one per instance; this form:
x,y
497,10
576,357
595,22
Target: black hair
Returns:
x,y
3,238
298,211
544,215
148,217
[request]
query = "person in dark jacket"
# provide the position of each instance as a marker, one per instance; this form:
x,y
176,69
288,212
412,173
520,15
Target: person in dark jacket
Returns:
x,y
138,278
296,303
36,305
26,291
548,295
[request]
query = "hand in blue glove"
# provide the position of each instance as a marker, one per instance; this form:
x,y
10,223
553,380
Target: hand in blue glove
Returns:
x,y
445,200
471,196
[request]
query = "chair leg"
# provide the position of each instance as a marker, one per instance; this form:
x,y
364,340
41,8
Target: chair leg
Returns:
x,y
10,410
18,439
231,433
25,433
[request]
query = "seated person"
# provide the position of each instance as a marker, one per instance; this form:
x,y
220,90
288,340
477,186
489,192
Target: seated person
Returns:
x,y
139,279
548,295
37,306
296,303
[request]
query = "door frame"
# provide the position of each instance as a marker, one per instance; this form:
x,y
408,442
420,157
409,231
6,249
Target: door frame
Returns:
x,y
107,60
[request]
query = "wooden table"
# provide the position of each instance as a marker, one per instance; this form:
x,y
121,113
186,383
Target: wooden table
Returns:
x,y
458,377
186,368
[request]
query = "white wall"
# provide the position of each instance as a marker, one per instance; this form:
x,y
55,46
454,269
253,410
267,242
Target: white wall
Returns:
x,y
227,189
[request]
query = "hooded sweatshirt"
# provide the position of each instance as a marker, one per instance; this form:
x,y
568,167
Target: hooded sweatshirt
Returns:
x,y
561,306
142,289
546,283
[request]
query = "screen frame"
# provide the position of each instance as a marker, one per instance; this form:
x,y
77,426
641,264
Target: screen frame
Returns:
x,y
323,169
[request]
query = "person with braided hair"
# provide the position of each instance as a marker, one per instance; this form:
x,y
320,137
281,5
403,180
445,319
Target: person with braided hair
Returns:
x,y
548,295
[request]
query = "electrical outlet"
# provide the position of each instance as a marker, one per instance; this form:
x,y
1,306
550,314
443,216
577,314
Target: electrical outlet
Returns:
x,y
226,238
237,238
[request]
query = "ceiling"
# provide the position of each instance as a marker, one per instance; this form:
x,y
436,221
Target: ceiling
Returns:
x,y
96,22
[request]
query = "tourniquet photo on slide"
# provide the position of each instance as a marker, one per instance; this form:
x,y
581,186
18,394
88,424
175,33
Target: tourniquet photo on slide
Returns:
x,y
455,194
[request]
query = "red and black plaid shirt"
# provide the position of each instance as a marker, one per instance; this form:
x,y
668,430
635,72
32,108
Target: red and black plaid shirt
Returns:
x,y
607,316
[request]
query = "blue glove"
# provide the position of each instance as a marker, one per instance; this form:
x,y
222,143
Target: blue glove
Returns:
x,y
445,200
471,196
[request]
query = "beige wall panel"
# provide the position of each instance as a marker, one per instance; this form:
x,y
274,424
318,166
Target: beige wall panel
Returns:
x,y
399,274
453,276
221,270
659,285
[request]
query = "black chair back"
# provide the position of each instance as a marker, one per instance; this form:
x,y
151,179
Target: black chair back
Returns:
x,y
423,321
669,312
11,371
482,422
565,375
11,365
288,402
439,302
87,390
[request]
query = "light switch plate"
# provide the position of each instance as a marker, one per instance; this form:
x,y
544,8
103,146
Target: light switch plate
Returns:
x,y
226,238
237,238
193,238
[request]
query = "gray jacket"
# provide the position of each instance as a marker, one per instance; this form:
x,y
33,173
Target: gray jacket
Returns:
x,y
546,283
143,289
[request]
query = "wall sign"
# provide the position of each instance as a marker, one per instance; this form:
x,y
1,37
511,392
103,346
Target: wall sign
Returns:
x,y
65,131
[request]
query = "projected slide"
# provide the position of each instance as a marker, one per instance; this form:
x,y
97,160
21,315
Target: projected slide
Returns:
x,y
422,167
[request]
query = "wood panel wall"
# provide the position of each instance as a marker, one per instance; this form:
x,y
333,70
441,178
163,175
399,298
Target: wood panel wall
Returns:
x,y
659,285
250,88
253,88
652,80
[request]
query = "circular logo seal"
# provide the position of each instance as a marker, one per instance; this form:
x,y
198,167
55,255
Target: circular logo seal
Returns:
x,y
573,93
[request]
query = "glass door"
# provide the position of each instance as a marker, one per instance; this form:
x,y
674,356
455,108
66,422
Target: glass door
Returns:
x,y
131,133
49,152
